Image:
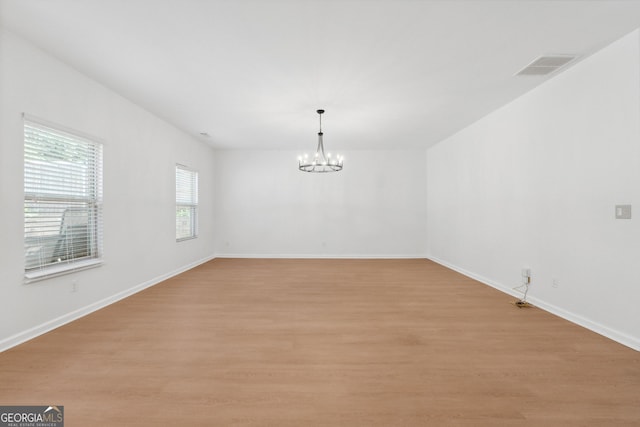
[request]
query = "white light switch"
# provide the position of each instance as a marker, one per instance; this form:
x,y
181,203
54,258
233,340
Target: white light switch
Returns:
x,y
623,211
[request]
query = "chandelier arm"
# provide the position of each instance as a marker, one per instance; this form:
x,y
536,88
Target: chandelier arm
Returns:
x,y
320,148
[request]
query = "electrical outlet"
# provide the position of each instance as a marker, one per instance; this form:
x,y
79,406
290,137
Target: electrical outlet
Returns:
x,y
555,283
74,286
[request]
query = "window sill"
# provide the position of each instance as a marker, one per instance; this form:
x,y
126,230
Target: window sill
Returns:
x,y
182,239
59,270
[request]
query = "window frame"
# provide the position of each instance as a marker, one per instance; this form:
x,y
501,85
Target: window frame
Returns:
x,y
61,198
191,204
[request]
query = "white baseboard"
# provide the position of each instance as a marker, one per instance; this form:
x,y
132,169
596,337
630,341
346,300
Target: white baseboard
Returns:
x,y
598,328
474,276
43,328
323,256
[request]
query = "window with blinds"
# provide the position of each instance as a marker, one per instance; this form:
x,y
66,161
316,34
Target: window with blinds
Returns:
x,y
62,200
186,203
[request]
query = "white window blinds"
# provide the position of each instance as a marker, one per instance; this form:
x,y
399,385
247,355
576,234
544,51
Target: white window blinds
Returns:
x,y
62,200
186,203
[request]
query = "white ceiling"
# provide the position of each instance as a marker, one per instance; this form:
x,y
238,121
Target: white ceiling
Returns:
x,y
390,73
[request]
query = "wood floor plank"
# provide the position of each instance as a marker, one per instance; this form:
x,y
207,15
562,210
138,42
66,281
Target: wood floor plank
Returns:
x,y
254,342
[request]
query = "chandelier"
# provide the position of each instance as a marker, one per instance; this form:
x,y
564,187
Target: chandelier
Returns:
x,y
319,162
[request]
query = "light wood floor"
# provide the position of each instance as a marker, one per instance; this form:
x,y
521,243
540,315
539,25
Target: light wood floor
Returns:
x,y
324,343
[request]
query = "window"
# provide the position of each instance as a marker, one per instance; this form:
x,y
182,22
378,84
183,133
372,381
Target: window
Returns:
x,y
186,203
62,200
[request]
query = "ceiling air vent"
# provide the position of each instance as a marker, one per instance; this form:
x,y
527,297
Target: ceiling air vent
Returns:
x,y
546,65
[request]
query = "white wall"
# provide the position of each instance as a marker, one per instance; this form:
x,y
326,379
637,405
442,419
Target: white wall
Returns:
x,y
535,184
374,207
140,152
